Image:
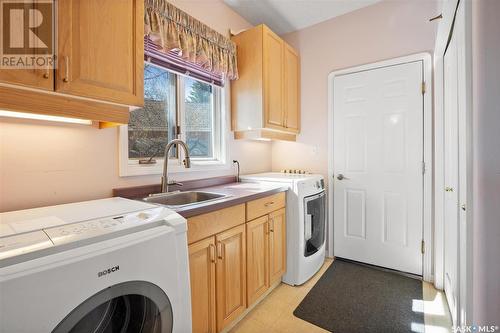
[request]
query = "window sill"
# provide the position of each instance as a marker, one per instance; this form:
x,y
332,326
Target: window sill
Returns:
x,y
173,168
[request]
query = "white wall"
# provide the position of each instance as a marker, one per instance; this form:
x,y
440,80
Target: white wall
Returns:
x,y
382,31
486,161
44,163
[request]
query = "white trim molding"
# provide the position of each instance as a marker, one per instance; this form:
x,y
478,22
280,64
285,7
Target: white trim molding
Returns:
x,y
426,59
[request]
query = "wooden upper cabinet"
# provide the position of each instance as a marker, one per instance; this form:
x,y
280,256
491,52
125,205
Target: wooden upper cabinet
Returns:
x,y
101,49
32,78
202,274
277,245
40,78
291,88
265,98
273,80
100,56
257,258
231,275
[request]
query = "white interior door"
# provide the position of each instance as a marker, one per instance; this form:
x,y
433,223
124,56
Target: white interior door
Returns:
x,y
455,162
463,307
451,176
377,163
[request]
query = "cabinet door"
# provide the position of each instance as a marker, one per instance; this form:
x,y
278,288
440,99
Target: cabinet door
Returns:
x,y
273,80
202,274
277,245
33,78
257,258
231,275
40,78
101,50
292,84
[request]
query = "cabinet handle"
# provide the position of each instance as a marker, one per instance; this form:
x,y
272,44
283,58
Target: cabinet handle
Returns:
x,y
212,252
66,69
267,204
220,250
46,75
271,226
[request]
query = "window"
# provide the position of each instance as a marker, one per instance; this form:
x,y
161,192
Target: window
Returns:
x,y
154,124
175,106
199,118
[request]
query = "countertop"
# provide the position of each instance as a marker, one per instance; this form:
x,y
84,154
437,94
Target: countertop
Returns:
x,y
237,193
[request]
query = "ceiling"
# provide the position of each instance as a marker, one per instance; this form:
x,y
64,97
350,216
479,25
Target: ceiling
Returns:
x,y
284,16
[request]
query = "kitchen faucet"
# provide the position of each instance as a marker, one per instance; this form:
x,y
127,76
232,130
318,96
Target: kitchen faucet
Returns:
x,y
187,163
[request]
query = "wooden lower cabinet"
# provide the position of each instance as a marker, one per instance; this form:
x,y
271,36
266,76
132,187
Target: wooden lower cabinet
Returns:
x,y
277,245
264,206
202,273
266,253
232,269
257,258
217,268
231,275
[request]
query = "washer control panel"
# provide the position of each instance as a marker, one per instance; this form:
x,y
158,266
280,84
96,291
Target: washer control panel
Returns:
x,y
92,228
23,243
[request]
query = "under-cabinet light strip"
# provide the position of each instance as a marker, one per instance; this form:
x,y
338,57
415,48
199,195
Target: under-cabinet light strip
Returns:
x,y
24,115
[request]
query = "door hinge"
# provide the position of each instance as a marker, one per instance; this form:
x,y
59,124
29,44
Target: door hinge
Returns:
x,y
423,88
422,247
423,167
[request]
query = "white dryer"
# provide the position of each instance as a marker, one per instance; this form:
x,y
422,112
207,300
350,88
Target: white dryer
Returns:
x,y
305,222
111,265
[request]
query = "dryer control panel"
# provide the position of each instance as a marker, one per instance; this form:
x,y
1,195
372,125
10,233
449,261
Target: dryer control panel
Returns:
x,y
310,186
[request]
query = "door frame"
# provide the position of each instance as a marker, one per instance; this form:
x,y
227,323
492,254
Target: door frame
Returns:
x,y
426,59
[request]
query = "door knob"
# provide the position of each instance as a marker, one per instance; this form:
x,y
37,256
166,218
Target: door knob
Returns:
x,y
340,176
448,189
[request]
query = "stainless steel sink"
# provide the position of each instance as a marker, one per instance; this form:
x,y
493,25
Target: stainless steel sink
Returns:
x,y
181,199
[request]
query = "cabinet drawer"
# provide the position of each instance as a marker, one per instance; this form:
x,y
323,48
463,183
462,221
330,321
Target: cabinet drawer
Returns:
x,y
265,205
209,224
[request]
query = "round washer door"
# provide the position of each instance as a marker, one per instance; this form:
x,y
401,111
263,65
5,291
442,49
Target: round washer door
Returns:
x,y
132,307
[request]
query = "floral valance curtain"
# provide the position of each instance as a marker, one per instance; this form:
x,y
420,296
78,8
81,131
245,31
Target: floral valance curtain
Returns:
x,y
171,29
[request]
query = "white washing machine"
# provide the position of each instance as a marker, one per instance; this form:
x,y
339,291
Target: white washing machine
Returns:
x,y
111,265
305,222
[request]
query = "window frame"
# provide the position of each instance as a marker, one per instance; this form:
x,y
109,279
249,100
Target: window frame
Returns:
x,y
128,167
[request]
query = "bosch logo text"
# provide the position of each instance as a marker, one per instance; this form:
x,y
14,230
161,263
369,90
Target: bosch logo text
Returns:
x,y
108,271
